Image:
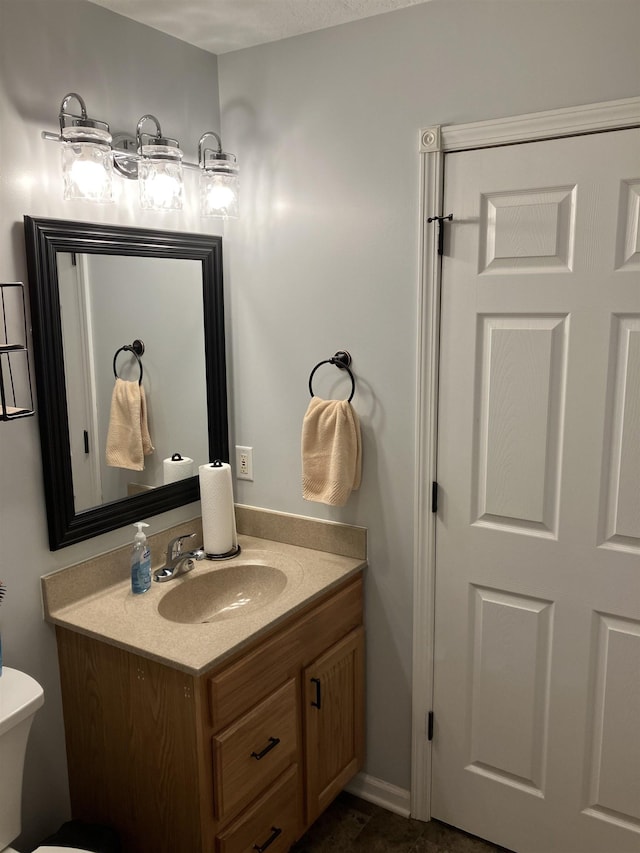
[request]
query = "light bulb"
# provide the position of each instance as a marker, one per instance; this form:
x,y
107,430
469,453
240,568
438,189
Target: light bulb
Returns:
x,y
161,184
87,168
89,176
219,194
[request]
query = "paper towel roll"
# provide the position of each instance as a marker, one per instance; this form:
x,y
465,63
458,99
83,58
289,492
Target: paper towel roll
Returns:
x,y
218,513
177,468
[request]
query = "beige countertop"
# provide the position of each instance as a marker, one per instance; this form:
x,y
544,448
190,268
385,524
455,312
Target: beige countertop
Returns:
x,y
107,609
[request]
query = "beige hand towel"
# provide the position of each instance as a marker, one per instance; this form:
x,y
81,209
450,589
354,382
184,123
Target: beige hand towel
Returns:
x,y
128,439
331,451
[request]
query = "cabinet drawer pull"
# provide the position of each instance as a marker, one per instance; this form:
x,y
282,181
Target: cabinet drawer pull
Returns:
x,y
273,741
275,832
318,703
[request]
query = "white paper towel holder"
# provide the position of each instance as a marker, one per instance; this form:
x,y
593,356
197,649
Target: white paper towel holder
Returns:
x,y
234,551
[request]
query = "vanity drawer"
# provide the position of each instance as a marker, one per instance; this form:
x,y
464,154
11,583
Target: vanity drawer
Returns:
x,y
242,684
271,824
254,750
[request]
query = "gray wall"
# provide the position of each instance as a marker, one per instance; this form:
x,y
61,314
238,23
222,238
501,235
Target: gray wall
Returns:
x,y
324,257
123,70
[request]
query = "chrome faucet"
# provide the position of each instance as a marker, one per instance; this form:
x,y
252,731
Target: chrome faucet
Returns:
x,y
178,562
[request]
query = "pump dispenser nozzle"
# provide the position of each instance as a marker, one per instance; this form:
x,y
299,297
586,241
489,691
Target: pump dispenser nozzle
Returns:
x,y
140,537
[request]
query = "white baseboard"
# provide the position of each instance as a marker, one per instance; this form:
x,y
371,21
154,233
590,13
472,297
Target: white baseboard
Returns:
x,y
381,793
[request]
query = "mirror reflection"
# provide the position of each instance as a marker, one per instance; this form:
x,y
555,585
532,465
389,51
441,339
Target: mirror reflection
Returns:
x,y
106,303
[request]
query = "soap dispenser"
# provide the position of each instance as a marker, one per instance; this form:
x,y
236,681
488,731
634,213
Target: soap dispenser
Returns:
x,y
140,561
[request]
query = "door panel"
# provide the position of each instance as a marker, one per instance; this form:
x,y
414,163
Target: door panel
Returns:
x,y
529,231
520,399
511,644
622,467
614,745
629,230
537,661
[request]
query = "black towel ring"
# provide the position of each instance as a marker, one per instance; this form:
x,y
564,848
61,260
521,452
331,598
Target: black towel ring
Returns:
x,y
136,349
341,359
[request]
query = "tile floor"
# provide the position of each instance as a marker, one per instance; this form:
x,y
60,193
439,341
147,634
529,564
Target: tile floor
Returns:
x,y
351,825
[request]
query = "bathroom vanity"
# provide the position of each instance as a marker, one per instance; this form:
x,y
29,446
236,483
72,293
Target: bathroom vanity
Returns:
x,y
234,739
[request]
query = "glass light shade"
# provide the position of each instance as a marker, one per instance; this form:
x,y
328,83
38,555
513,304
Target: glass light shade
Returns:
x,y
160,178
219,191
87,165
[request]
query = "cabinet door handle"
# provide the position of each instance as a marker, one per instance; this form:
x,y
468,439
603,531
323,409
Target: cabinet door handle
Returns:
x,y
275,832
318,703
273,742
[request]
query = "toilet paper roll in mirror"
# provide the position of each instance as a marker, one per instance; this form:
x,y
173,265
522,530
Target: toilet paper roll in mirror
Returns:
x,y
176,468
218,512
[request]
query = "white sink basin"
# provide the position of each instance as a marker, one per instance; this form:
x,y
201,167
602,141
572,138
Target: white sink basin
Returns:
x,y
212,592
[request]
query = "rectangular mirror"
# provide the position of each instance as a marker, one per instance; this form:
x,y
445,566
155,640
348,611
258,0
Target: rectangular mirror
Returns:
x,y
95,289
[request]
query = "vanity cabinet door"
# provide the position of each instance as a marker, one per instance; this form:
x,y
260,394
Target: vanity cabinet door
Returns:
x,y
254,750
333,720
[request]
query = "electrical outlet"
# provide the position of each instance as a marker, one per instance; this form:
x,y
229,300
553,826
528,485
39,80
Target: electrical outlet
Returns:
x,y
244,463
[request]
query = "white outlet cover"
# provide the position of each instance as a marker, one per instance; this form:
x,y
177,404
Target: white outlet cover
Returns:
x,y
244,462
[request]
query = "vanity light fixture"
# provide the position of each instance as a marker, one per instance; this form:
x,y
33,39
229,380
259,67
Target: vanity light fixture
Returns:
x,y
219,185
159,169
87,165
90,155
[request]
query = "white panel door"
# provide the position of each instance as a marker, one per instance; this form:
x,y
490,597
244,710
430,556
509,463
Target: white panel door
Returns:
x,y
537,648
75,313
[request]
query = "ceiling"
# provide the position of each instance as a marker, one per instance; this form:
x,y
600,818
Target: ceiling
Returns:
x,y
220,26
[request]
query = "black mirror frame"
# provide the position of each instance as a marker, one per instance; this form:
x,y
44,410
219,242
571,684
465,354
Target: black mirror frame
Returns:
x,y
44,238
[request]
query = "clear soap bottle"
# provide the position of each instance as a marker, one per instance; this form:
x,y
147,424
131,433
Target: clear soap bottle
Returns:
x,y
140,561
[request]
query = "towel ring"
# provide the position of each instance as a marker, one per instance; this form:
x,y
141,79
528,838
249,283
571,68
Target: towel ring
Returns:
x,y
341,359
136,349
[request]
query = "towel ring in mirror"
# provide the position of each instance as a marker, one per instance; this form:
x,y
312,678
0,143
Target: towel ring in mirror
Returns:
x,y
136,349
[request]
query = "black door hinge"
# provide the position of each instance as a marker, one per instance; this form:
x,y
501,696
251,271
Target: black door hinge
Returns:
x,y
86,441
430,725
434,497
440,220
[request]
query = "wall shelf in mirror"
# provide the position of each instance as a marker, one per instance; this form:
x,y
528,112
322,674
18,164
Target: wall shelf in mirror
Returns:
x,y
92,287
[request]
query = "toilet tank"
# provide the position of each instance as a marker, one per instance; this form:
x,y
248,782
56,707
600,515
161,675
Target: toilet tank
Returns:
x,y
20,698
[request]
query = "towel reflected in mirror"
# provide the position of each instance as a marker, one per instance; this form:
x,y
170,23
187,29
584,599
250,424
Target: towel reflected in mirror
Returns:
x,y
128,439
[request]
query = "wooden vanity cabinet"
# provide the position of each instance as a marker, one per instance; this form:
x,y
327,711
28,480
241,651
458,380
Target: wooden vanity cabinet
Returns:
x,y
242,758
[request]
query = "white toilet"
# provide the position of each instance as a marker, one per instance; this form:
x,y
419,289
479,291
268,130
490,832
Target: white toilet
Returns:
x,y
20,698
